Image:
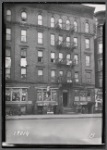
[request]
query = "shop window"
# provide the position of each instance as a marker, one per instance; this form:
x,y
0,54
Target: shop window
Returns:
x,y
23,72
23,35
52,39
24,95
8,15
40,56
52,57
23,16
8,34
40,38
8,95
67,25
54,95
76,95
68,41
40,21
16,95
52,22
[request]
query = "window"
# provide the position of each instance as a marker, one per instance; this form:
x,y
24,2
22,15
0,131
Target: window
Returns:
x,y
60,40
52,57
86,27
100,64
100,48
76,59
8,34
100,82
23,57
76,92
68,41
7,71
8,15
87,43
23,72
88,60
23,35
40,56
40,20
40,37
60,23
40,72
75,41
67,25
69,77
60,57
7,63
24,16
88,76
68,57
52,73
52,22
52,39
16,94
61,73
75,26
76,76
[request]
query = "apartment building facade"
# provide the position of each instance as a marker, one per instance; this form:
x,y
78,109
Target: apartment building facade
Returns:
x,y
99,49
49,51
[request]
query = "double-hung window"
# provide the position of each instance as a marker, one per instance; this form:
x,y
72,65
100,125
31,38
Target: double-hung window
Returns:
x,y
40,21
23,16
8,34
87,43
75,41
23,35
76,77
67,25
88,60
68,41
60,57
87,27
100,48
40,38
7,63
75,26
52,22
52,39
8,15
40,56
60,40
60,23
52,57
76,59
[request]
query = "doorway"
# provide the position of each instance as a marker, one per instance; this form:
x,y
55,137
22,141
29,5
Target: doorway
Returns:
x,y
65,99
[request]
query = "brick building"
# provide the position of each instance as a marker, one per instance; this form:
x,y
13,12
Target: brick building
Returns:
x,y
49,54
99,39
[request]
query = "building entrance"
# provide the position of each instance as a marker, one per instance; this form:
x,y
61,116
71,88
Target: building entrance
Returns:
x,y
65,99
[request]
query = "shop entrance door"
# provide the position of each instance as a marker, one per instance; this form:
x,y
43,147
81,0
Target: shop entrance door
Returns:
x,y
65,99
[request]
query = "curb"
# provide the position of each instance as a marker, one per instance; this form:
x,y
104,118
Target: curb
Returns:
x,y
24,117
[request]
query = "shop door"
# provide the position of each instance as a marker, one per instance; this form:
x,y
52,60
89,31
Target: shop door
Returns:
x,y
65,99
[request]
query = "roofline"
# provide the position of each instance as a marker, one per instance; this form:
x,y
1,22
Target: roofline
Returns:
x,y
99,12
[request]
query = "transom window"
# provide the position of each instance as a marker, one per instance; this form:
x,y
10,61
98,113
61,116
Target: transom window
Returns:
x,y
40,37
23,35
52,22
40,21
24,16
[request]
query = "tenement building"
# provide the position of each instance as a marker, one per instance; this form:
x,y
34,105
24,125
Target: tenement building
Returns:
x,y
49,53
99,47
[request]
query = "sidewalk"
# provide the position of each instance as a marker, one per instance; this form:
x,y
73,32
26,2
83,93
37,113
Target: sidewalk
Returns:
x,y
53,116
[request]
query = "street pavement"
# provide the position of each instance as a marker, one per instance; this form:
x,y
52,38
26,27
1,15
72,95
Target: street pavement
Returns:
x,y
48,130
